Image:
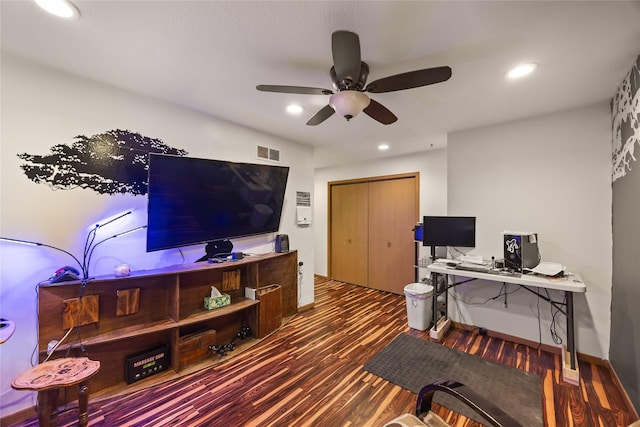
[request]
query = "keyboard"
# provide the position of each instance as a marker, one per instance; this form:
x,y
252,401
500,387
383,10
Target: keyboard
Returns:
x,y
447,261
469,266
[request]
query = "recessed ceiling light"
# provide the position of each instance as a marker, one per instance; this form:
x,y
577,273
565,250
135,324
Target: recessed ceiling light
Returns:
x,y
383,147
294,109
61,8
522,70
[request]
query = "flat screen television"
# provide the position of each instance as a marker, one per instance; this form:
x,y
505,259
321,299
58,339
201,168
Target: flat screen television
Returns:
x,y
192,200
449,231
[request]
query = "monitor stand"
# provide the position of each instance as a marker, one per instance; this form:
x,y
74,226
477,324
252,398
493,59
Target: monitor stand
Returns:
x,y
217,248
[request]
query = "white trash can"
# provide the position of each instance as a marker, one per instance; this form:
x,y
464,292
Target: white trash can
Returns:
x,y
419,305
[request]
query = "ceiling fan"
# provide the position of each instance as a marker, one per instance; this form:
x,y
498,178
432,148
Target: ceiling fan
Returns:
x,y
349,75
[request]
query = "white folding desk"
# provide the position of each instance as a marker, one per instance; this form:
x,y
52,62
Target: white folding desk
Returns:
x,y
571,284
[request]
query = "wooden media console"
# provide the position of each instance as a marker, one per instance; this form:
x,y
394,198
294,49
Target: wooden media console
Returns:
x,y
116,317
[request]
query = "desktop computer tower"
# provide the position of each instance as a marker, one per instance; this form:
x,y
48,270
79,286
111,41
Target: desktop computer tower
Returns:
x,y
521,250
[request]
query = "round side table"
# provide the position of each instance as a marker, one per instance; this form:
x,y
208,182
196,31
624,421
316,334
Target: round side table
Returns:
x,y
47,378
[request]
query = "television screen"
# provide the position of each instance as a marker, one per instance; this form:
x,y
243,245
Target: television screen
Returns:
x,y
193,200
449,231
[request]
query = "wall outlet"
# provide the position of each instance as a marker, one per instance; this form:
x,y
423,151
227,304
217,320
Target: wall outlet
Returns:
x,y
52,345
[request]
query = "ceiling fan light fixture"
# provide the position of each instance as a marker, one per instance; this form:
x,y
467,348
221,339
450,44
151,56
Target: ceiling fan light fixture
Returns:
x,y
349,103
294,109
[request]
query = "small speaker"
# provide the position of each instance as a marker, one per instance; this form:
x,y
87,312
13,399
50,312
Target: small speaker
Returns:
x,y
282,243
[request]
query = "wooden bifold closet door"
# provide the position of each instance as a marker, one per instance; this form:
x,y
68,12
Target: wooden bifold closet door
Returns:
x,y
371,231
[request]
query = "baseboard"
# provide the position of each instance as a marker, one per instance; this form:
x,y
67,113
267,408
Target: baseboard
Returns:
x,y
18,417
306,307
616,380
511,338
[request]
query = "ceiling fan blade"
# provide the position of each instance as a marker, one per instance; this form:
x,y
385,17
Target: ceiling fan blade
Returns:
x,y
410,80
321,115
379,112
345,47
294,89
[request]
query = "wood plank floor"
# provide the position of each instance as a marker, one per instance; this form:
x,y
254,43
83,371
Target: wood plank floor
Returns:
x,y
309,373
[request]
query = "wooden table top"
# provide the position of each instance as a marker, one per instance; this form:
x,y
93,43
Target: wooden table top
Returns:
x,y
56,373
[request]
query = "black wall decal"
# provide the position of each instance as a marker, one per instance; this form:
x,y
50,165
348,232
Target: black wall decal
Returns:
x,y
112,162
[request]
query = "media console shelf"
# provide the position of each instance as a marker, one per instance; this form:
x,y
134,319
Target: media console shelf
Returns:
x,y
115,317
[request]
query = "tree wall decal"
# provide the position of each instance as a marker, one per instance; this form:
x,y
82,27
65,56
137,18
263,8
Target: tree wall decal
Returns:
x,y
625,109
113,162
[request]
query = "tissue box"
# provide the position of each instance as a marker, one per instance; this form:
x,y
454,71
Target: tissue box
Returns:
x,y
217,302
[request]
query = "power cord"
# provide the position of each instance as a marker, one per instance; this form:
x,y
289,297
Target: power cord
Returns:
x,y
502,293
300,278
553,327
467,327
539,323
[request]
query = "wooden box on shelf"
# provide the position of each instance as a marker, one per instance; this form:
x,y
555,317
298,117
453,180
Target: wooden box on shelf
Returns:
x,y
194,348
270,309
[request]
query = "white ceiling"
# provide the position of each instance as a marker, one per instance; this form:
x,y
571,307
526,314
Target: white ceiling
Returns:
x,y
210,55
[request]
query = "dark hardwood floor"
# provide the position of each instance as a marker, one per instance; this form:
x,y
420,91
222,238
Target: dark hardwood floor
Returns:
x,y
309,373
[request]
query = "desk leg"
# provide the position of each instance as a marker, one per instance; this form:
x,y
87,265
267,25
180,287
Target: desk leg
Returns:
x,y
48,407
570,331
83,401
434,301
440,324
570,372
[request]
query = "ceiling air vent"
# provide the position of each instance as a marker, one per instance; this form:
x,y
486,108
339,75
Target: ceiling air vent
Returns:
x,y
268,153
263,152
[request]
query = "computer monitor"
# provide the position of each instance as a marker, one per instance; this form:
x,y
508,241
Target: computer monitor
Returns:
x,y
449,231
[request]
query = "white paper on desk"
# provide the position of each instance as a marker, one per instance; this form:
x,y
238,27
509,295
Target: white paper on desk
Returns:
x,y
474,259
548,268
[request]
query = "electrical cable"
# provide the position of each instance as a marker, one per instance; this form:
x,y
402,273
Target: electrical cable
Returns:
x,y
553,327
300,278
91,236
539,324
90,254
463,322
182,255
35,348
500,294
57,344
455,249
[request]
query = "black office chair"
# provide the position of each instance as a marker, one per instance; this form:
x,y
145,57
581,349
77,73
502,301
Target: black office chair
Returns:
x,y
492,415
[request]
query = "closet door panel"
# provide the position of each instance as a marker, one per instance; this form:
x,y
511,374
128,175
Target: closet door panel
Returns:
x,y
392,217
349,233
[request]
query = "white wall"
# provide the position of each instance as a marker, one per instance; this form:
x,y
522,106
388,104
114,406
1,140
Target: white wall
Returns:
x,y
432,166
42,107
550,175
